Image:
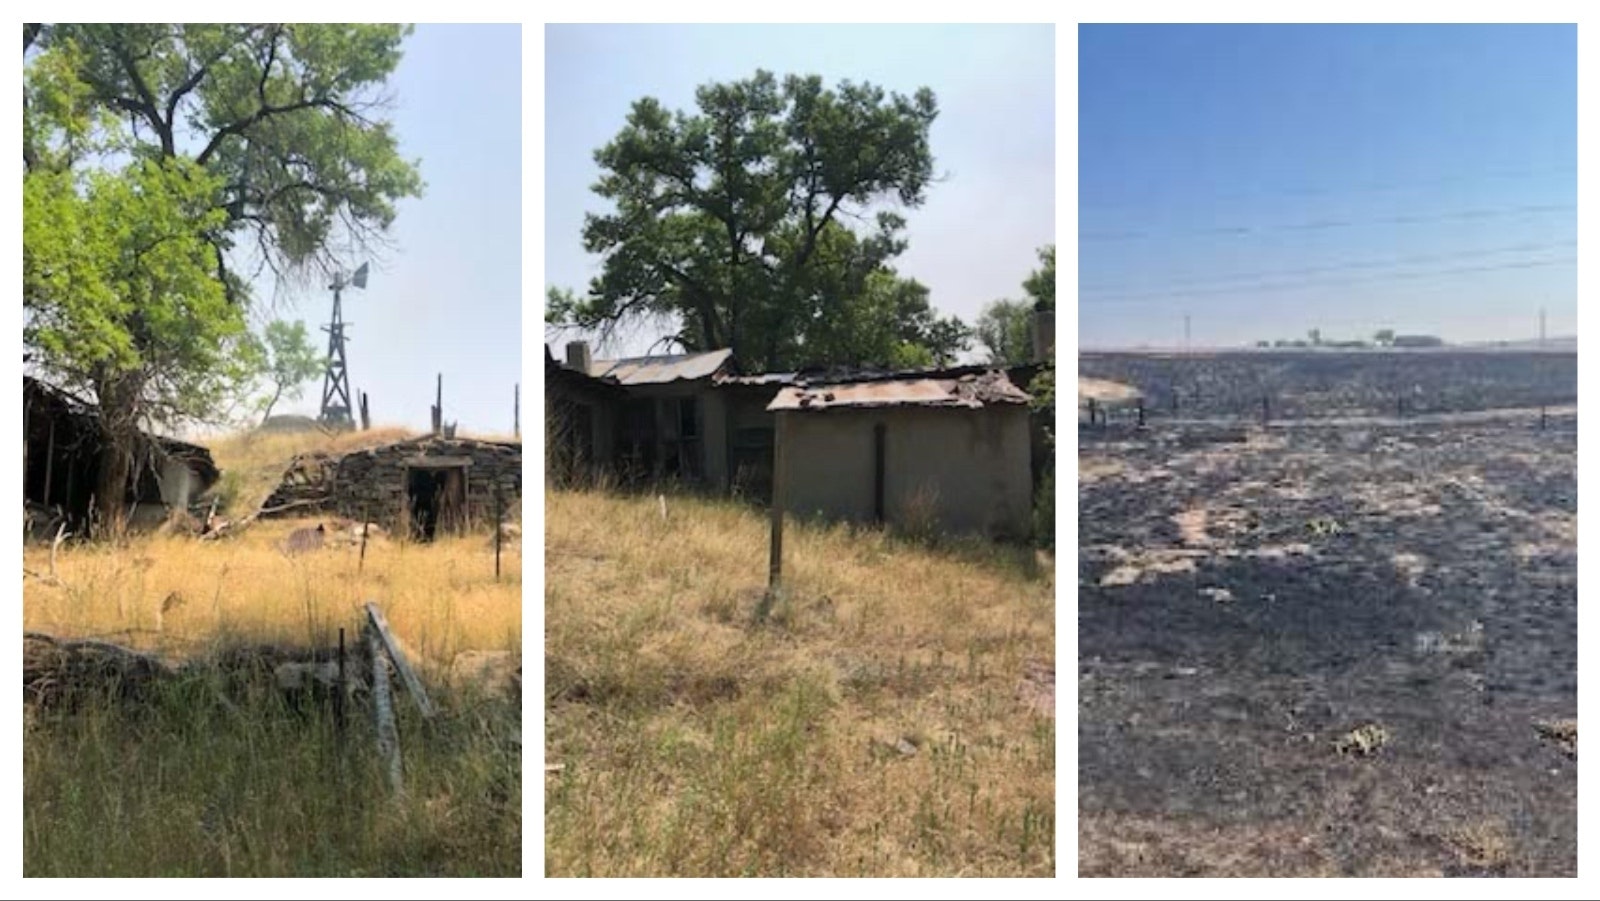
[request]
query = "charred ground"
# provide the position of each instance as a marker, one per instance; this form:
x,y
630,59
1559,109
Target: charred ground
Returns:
x,y
1250,595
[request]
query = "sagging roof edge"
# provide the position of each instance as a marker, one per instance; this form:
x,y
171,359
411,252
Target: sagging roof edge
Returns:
x,y
175,448
988,388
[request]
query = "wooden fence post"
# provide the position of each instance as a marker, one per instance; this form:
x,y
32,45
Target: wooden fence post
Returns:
x,y
383,710
499,529
341,691
437,409
775,560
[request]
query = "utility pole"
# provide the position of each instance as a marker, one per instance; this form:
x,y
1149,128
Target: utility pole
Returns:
x,y
1541,328
1185,332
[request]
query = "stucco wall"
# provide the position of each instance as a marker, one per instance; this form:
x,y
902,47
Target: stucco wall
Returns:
x,y
969,468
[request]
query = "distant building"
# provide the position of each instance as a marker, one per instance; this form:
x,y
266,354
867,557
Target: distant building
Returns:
x,y
1417,341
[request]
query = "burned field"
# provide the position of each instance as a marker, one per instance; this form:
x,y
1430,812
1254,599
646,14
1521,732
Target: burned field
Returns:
x,y
1300,385
1329,647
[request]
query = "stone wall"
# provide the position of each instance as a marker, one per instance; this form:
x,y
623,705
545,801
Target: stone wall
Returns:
x,y
372,483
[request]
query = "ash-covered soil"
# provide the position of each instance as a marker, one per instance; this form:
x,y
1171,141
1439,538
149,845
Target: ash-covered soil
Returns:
x,y
1246,605
1309,384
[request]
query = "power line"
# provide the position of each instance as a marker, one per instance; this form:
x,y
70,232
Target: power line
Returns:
x,y
1235,231
1369,188
1128,290
1295,286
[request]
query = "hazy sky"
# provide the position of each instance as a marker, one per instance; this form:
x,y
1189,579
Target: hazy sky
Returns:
x,y
974,240
449,297
1272,179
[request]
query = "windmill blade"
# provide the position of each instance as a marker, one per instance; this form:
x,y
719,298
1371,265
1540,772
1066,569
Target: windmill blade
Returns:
x,y
360,278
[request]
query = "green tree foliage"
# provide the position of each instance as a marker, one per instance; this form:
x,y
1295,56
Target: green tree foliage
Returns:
x,y
732,222
154,156
1041,283
120,292
1043,389
1384,337
1005,329
291,362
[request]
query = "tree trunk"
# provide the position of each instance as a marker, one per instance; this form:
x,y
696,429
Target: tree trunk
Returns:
x,y
267,413
119,435
111,489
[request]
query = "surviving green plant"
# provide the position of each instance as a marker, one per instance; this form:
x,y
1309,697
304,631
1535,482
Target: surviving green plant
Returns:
x,y
734,219
151,152
291,362
1005,327
1043,389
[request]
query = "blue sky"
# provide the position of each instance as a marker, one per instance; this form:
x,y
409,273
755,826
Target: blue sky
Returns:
x,y
974,240
1268,180
448,297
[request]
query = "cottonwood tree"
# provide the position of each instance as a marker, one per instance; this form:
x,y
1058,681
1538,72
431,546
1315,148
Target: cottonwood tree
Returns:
x,y
291,362
761,222
155,158
1040,285
1005,327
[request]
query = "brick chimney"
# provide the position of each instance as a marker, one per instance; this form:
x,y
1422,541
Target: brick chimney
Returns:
x,y
578,356
1044,333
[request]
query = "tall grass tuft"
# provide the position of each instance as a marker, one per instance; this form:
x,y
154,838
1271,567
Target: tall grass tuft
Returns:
x,y
199,781
868,725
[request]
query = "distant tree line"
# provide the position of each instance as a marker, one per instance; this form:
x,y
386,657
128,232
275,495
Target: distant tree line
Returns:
x,y
1381,338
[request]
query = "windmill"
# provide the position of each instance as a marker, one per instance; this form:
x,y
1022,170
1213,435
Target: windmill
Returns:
x,y
336,380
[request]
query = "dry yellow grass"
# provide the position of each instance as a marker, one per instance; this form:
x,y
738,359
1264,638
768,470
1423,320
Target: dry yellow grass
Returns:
x,y
178,593
181,786
869,725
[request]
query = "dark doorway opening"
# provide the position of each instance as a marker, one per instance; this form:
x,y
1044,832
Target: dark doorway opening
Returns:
x,y
436,499
636,439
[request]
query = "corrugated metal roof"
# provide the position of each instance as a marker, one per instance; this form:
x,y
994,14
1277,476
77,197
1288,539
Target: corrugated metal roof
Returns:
x,y
661,369
762,380
966,392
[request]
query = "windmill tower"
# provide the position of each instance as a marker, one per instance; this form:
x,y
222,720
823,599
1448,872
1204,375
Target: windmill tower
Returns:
x,y
336,405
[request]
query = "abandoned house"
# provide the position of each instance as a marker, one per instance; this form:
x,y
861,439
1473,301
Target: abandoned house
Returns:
x,y
656,417
580,418
698,419
422,487
61,464
920,451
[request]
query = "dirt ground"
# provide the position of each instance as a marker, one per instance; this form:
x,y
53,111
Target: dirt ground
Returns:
x,y
1249,599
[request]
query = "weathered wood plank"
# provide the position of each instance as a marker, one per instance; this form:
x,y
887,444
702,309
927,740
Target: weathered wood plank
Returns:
x,y
383,710
407,675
